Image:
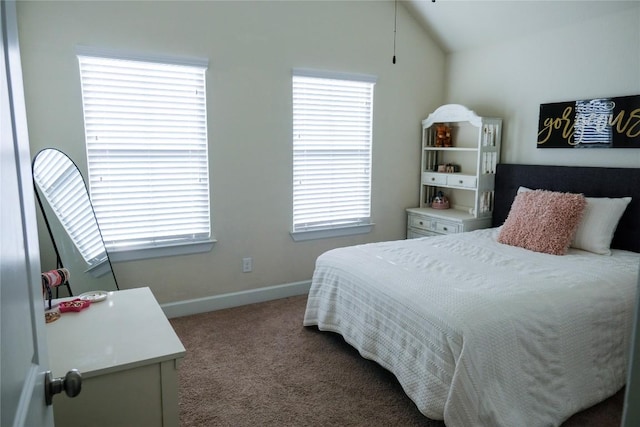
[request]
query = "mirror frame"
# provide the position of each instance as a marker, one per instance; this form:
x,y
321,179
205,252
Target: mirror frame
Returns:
x,y
94,271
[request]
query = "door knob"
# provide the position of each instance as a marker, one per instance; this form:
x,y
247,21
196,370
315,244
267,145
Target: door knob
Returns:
x,y
71,384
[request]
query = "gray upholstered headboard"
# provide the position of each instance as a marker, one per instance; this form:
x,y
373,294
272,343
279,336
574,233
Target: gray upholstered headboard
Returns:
x,y
591,181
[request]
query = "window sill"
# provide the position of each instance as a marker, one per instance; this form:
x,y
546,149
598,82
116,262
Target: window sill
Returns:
x,y
161,251
325,233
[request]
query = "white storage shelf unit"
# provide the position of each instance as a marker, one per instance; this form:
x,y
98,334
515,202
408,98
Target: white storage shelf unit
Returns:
x,y
475,150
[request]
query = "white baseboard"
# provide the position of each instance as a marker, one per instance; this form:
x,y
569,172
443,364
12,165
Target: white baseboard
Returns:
x,y
234,299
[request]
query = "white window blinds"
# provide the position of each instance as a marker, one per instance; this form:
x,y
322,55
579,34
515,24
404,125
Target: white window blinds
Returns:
x,y
146,139
332,132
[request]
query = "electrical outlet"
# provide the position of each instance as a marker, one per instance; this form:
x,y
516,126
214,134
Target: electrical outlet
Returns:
x,y
247,265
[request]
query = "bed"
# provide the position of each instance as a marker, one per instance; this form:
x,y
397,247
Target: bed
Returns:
x,y
481,333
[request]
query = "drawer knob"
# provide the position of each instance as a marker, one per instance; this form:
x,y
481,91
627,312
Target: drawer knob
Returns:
x,y
421,223
460,182
433,179
445,228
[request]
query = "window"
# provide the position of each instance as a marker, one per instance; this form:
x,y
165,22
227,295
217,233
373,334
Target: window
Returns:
x,y
146,140
332,122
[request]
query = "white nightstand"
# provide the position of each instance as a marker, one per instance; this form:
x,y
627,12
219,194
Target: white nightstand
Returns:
x,y
422,222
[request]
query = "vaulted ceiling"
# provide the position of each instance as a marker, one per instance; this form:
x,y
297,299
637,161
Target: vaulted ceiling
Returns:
x,y
465,24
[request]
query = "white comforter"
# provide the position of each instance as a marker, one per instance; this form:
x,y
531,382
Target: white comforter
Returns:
x,y
479,333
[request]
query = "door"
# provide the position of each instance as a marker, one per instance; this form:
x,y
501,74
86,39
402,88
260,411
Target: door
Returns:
x,y
23,358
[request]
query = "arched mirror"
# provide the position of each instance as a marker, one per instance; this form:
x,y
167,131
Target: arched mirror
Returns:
x,y
68,214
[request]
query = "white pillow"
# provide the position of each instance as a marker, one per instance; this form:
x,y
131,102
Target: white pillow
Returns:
x,y
599,221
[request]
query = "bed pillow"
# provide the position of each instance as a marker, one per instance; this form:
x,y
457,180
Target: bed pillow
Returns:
x,y
599,222
543,221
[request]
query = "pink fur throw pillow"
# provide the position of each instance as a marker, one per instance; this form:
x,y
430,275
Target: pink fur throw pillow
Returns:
x,y
543,221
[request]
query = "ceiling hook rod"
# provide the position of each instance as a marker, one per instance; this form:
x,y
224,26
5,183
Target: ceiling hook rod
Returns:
x,y
395,26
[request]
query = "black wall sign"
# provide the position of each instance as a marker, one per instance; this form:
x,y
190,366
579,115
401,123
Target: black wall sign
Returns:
x,y
590,123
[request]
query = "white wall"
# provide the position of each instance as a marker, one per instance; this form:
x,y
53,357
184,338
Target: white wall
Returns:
x,y
599,58
252,47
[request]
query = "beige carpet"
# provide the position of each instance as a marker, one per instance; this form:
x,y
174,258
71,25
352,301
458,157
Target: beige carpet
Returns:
x,y
257,365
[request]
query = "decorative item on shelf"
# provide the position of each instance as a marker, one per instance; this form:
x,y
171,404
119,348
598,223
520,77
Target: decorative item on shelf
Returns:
x,y
443,136
440,201
448,168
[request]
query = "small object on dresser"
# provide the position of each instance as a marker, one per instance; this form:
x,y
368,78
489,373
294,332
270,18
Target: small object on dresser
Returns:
x,y
440,201
51,316
73,305
93,296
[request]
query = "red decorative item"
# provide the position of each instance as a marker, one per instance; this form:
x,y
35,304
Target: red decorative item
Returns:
x,y
74,305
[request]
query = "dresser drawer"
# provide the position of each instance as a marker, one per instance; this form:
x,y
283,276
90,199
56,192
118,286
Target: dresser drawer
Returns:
x,y
465,181
420,222
416,234
436,225
444,227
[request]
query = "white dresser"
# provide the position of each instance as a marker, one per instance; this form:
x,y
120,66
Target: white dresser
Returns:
x,y
127,353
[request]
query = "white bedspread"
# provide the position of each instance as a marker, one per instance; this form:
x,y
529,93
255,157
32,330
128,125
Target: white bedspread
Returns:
x,y
479,333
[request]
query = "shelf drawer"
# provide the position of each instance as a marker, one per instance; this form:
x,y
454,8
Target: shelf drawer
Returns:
x,y
462,181
434,178
450,180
